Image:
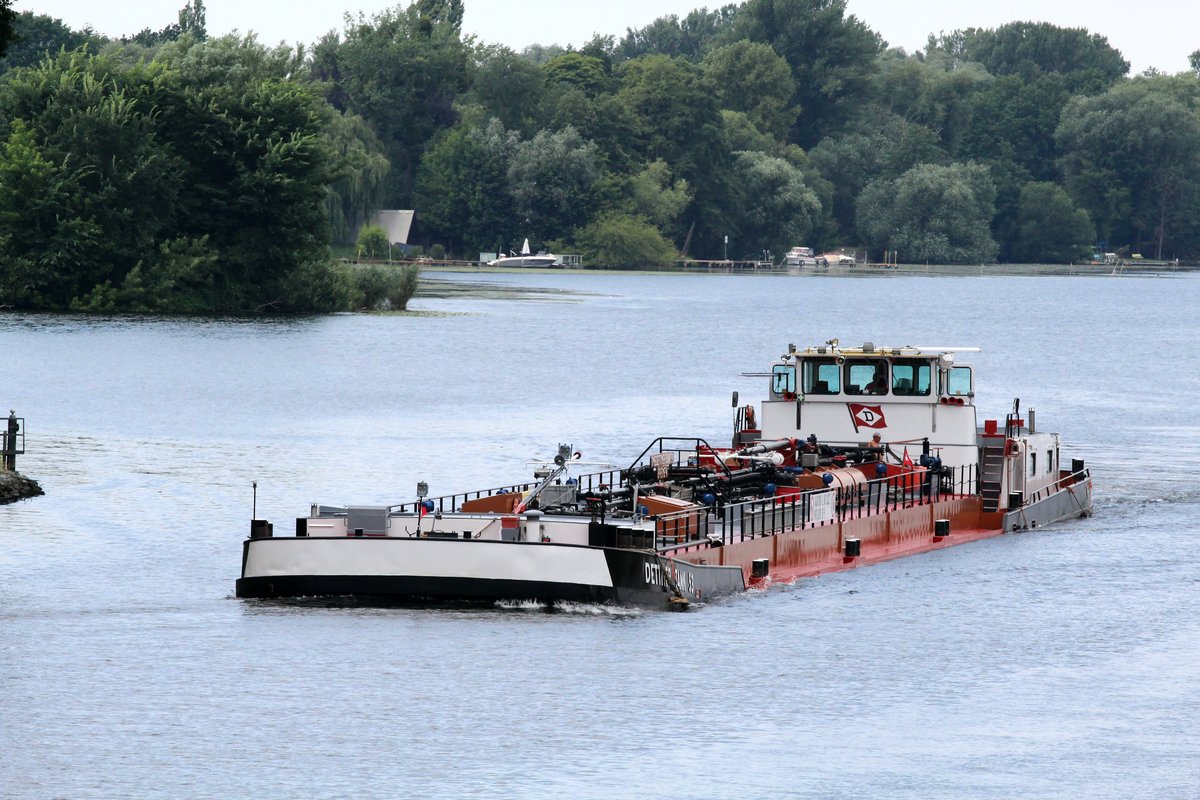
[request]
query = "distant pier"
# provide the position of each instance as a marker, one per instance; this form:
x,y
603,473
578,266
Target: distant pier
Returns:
x,y
13,485
726,265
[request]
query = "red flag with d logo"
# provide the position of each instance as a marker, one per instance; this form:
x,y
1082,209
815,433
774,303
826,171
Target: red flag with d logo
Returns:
x,y
865,416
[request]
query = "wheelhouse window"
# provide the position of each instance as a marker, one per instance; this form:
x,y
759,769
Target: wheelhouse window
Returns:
x,y
958,382
821,376
911,378
783,380
866,376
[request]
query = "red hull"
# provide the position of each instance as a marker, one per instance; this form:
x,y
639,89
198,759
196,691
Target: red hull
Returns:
x,y
821,547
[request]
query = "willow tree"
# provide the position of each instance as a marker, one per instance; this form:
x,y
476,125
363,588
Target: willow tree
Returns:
x,y
357,190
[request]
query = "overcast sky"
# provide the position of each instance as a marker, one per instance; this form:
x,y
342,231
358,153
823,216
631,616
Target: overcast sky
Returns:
x,y
1149,33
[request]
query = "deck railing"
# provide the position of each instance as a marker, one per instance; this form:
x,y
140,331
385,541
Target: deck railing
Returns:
x,y
1065,478
761,517
591,482
751,519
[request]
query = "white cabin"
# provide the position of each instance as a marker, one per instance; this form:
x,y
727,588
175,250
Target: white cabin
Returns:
x,y
844,395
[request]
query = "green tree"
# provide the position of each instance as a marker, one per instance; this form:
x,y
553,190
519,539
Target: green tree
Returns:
x,y
932,213
180,192
586,73
832,56
36,36
41,240
750,77
673,104
1014,119
403,287
1085,61
102,120
620,240
372,283
507,87
7,16
657,198
1008,123
935,91
604,119
676,120
373,241
401,70
193,20
1053,230
739,133
229,64
179,279
1131,156
258,188
552,179
776,208
690,37
359,184
853,160
849,162
463,189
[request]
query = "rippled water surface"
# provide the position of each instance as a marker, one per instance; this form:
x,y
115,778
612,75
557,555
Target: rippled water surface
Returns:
x,y
1060,663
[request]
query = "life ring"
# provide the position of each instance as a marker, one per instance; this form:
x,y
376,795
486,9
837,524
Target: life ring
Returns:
x,y
1014,447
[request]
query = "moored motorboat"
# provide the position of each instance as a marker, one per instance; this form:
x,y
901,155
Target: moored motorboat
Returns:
x,y
858,455
838,258
803,257
525,259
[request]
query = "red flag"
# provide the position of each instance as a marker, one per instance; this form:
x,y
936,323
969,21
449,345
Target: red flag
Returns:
x,y
907,460
865,416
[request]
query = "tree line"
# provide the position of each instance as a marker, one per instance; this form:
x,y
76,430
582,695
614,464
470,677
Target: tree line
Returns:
x,y
171,170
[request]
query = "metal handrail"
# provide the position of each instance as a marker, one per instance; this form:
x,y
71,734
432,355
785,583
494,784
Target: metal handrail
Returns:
x,y
1060,483
587,482
760,517
874,496
696,440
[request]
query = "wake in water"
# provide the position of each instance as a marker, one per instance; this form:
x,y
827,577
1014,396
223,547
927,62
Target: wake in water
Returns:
x,y
582,609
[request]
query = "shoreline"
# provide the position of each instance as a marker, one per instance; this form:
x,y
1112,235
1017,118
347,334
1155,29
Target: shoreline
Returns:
x,y
856,271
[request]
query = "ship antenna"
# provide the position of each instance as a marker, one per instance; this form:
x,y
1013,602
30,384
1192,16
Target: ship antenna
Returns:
x,y
254,501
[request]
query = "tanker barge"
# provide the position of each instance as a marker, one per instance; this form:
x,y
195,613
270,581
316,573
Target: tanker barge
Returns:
x,y
856,455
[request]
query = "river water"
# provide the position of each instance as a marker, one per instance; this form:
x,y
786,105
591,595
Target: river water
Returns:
x,y
1060,663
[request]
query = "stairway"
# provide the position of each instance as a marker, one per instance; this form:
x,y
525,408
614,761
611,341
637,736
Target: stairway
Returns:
x,y
991,475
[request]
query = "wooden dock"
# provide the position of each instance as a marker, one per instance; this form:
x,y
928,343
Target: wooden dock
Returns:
x,y
726,265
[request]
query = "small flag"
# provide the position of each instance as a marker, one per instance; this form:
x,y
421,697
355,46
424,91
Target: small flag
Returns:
x,y
864,416
907,461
